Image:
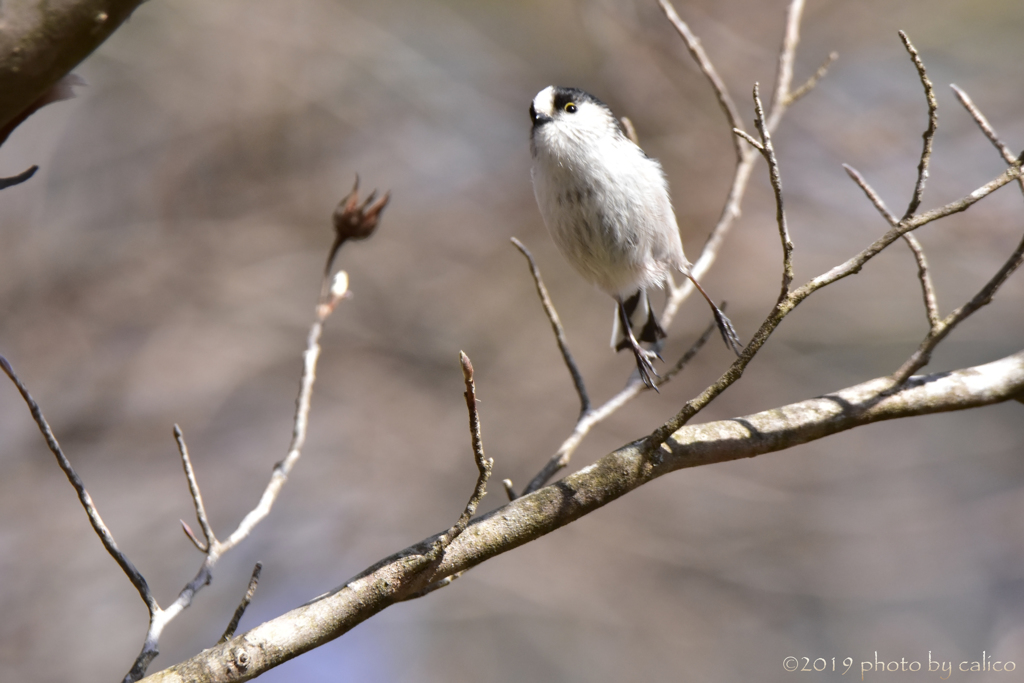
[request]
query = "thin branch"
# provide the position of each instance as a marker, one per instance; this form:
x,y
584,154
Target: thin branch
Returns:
x,y
708,69
18,179
923,275
484,464
229,632
888,215
940,329
616,474
556,327
691,352
775,176
197,497
985,126
987,129
929,133
786,305
811,82
931,306
787,55
133,574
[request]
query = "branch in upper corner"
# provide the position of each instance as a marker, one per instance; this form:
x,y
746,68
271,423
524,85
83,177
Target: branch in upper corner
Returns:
x,y
556,327
929,133
229,632
133,574
707,68
787,55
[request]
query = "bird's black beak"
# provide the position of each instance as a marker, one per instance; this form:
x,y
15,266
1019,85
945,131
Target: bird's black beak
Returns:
x,y
537,117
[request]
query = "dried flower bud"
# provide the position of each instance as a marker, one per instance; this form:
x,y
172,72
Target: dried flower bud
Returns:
x,y
355,221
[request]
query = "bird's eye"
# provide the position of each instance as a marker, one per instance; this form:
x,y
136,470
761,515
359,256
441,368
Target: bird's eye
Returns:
x,y
570,107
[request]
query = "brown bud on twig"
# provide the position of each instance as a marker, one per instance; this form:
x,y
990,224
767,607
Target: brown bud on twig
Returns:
x,y
355,221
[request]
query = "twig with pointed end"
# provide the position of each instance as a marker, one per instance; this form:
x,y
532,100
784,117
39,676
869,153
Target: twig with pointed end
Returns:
x,y
197,497
987,129
484,464
888,215
106,538
229,632
811,82
693,44
929,133
774,175
556,327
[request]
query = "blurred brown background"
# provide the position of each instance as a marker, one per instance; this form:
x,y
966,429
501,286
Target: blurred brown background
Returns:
x,y
163,265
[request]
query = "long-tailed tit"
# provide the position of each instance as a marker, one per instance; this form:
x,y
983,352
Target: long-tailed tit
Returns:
x,y
607,207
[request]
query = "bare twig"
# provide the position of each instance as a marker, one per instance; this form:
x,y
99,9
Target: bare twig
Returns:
x,y
708,69
786,305
774,175
931,306
556,327
690,352
18,179
940,329
929,133
229,632
197,497
781,96
923,275
484,464
811,82
888,215
133,574
986,128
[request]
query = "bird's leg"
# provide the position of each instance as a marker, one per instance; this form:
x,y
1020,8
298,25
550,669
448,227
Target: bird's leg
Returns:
x,y
643,357
729,336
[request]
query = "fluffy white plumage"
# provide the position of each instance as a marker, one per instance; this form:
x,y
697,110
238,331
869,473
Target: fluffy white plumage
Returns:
x,y
607,207
605,202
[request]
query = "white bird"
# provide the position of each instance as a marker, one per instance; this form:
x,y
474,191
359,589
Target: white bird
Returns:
x,y
607,207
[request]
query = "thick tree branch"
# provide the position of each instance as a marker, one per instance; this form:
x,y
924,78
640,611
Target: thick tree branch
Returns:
x,y
42,40
532,516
